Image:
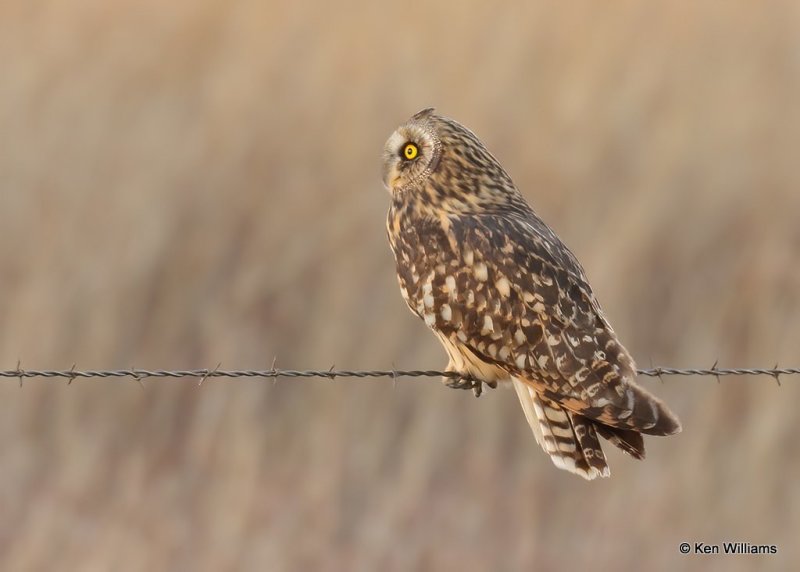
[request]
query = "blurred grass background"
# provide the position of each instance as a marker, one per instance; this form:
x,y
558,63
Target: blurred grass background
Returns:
x,y
194,182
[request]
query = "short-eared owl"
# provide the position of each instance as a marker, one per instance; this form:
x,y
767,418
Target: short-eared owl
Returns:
x,y
507,299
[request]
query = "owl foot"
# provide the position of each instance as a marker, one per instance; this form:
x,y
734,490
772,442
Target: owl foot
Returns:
x,y
461,383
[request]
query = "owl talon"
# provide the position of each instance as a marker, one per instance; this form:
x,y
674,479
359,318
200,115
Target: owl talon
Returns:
x,y
461,383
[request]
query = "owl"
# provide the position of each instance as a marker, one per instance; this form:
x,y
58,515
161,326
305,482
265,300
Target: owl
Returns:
x,y
508,300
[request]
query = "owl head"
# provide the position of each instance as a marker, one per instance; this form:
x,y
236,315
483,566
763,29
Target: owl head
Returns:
x,y
444,162
412,152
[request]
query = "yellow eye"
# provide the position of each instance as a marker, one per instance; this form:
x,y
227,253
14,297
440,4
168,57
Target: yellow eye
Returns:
x,y
410,151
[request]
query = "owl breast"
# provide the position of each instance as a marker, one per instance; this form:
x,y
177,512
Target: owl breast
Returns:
x,y
437,274
443,281
427,259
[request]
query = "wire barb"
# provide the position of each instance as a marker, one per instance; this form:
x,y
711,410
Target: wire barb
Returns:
x,y
714,367
135,375
209,373
140,375
272,369
72,374
658,372
776,374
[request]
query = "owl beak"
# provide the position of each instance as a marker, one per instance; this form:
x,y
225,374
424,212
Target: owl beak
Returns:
x,y
390,177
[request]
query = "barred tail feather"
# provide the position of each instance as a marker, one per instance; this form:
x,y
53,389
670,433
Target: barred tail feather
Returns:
x,y
570,439
627,440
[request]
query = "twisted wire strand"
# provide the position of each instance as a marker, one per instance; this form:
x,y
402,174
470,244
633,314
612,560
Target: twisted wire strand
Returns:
x,y
332,374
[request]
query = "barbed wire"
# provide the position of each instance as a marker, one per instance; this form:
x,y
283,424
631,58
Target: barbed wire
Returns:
x,y
332,374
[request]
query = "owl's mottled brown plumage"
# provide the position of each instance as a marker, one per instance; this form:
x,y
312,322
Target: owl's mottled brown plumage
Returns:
x,y
507,299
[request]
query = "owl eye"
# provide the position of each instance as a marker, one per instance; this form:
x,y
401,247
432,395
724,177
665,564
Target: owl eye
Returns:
x,y
410,151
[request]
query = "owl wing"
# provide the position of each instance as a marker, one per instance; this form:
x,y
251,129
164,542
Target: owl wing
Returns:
x,y
512,294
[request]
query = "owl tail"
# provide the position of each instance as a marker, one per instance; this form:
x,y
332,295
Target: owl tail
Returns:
x,y
572,440
569,439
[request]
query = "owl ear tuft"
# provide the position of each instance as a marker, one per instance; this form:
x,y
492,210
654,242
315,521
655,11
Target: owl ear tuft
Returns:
x,y
424,113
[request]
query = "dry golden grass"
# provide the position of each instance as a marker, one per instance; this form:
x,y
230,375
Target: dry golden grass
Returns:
x,y
191,182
